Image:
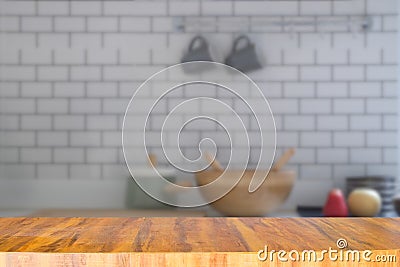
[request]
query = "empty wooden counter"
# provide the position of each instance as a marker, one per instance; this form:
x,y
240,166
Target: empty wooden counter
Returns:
x,y
193,241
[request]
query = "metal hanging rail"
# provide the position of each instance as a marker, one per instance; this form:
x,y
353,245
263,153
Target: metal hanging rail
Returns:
x,y
182,24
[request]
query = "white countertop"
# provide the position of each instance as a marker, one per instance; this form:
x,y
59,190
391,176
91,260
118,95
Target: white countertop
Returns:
x,y
115,212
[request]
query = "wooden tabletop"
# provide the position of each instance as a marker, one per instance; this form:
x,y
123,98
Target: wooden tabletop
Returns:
x,y
206,237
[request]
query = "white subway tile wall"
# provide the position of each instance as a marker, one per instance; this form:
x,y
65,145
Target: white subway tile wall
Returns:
x,y
68,70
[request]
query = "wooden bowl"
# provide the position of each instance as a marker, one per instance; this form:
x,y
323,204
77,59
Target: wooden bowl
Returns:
x,y
239,202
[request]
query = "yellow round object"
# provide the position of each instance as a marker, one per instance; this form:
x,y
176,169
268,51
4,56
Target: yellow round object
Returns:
x,y
364,202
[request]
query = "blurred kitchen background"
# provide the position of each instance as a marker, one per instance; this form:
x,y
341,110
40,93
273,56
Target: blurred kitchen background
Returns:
x,y
69,69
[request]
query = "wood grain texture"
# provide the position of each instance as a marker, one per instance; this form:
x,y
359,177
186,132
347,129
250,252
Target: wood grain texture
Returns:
x,y
186,241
